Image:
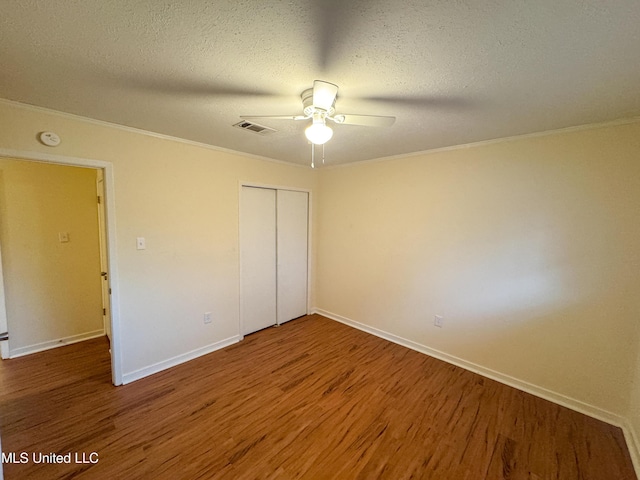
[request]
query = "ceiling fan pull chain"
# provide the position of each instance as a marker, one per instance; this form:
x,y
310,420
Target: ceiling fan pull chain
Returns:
x,y
313,149
323,154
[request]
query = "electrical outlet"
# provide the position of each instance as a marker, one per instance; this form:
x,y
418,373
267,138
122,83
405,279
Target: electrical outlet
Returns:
x,y
438,321
207,317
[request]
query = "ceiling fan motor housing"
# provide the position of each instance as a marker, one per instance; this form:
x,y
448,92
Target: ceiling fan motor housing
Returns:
x,y
308,108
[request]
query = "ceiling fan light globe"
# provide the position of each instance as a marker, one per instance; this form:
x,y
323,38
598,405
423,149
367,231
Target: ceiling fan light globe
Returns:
x,y
318,133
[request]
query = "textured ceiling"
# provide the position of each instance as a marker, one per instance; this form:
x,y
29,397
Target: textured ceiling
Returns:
x,y
452,72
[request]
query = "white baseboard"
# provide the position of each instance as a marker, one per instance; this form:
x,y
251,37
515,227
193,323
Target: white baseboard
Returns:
x,y
177,360
60,342
633,444
630,434
541,392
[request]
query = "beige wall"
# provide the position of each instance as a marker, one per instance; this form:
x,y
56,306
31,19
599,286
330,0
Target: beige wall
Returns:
x,y
529,249
52,288
184,200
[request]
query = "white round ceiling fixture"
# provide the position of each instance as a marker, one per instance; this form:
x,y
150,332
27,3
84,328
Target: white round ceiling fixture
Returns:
x,y
50,139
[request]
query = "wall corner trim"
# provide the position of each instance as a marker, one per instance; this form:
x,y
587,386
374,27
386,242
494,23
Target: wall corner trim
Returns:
x,y
177,360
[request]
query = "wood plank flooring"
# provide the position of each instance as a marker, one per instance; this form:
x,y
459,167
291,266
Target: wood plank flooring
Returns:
x,y
311,399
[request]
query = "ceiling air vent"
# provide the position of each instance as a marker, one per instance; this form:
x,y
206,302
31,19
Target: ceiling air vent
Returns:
x,y
254,127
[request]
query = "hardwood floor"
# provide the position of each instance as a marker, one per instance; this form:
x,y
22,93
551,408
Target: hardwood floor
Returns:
x,y
312,399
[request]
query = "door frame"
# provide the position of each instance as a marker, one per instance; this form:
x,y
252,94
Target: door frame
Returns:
x,y
309,241
104,256
4,327
110,225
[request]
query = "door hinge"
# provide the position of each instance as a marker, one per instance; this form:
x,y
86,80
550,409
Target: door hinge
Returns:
x,y
104,311
99,199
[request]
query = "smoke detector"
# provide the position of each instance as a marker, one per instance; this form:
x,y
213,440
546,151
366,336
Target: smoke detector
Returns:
x,y
49,139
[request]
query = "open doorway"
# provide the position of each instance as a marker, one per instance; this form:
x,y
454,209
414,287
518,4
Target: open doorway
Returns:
x,y
108,263
99,298
49,236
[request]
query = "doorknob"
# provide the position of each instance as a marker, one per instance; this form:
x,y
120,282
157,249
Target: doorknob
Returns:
x,y
4,336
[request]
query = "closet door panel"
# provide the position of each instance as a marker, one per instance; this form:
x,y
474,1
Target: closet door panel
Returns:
x,y
292,245
258,258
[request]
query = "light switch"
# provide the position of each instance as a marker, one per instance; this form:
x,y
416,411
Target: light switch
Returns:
x,y
63,237
140,243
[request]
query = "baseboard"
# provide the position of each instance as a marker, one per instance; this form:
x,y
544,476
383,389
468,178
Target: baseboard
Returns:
x,y
558,398
60,342
177,360
633,444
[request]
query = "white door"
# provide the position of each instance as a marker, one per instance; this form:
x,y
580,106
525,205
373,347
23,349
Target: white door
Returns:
x,y
4,328
258,258
102,237
292,228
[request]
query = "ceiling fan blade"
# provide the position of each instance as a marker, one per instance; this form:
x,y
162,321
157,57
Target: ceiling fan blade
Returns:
x,y
275,117
183,86
334,22
364,120
324,94
427,101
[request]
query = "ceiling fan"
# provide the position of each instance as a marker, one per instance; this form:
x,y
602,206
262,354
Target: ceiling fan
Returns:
x,y
318,105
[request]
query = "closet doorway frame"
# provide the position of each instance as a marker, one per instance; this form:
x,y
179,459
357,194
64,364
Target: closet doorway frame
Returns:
x,y
309,192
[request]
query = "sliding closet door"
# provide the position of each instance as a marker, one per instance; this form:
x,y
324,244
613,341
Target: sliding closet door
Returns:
x,y
258,254
292,228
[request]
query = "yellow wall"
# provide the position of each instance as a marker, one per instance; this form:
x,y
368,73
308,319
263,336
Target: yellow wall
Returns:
x,y
529,249
52,288
184,200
